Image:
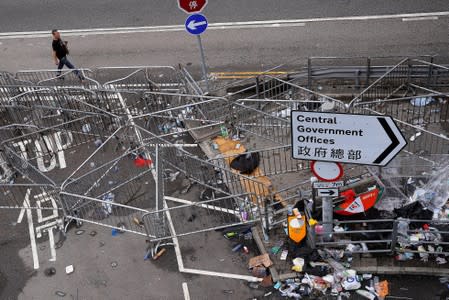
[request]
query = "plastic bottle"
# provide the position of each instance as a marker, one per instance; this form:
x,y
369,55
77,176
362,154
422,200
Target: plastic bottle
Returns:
x,y
224,131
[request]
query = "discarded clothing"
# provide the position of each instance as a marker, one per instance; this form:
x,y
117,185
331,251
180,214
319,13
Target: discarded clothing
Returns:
x,y
246,163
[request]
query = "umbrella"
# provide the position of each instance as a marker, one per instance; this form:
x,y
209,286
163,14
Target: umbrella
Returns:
x,y
354,205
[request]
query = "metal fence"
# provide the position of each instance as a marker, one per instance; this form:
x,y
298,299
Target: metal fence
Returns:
x,y
152,113
392,236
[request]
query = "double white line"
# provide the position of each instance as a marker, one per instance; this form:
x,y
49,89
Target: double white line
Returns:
x,y
225,26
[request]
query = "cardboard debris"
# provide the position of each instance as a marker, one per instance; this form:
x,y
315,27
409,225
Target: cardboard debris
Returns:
x,y
267,281
261,260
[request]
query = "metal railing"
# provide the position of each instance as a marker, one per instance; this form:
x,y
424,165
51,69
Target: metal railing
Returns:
x,y
134,110
200,216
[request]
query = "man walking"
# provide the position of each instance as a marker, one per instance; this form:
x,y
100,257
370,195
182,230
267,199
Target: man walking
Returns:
x,y
60,52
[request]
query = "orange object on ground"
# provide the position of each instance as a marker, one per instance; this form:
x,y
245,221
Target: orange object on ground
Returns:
x,y
382,289
296,228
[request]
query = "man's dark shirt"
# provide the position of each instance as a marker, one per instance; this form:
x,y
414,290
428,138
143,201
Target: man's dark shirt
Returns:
x,y
59,47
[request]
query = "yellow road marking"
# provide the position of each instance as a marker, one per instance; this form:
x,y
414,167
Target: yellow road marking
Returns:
x,y
246,74
252,73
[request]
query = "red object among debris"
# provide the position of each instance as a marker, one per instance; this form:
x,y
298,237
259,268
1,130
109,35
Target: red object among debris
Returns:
x,y
354,205
349,195
142,162
426,227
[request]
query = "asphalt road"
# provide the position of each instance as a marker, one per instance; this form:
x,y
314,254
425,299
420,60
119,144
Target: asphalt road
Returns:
x,y
25,15
227,48
231,49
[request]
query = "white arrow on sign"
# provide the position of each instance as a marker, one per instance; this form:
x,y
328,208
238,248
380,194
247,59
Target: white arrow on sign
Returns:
x,y
347,138
327,192
193,25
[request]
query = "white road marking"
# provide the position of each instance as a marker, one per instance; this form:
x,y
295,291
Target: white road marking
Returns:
x,y
37,231
207,206
420,19
53,143
181,267
26,205
219,26
46,198
40,229
51,239
185,289
21,214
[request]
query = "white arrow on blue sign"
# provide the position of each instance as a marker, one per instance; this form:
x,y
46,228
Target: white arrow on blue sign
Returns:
x,y
196,24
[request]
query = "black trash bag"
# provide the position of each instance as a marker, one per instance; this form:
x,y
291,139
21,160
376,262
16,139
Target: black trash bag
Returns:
x,y
246,163
414,210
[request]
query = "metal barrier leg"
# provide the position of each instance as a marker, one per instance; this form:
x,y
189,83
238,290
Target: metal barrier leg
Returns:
x,y
368,71
394,236
267,221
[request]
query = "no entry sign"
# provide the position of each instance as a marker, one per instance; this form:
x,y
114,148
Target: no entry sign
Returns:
x,y
192,6
327,171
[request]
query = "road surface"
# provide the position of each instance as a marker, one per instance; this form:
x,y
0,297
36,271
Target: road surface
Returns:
x,y
24,15
300,29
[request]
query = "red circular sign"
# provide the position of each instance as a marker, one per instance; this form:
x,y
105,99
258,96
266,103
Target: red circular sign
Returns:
x,y
192,6
326,171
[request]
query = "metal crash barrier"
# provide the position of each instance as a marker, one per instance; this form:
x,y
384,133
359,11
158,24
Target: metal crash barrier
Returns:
x,y
106,150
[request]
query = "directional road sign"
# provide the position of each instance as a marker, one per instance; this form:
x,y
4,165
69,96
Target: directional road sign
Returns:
x,y
328,185
347,138
327,192
192,6
196,24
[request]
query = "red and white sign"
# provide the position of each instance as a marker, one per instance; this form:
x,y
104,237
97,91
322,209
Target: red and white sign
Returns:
x,y
192,6
327,171
355,205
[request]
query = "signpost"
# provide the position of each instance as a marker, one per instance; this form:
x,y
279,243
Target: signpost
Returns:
x,y
342,138
196,24
347,138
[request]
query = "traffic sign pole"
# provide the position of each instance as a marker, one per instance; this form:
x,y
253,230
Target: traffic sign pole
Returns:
x,y
196,24
203,62
328,217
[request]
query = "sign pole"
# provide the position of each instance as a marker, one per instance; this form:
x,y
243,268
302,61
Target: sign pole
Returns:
x,y
203,62
328,217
